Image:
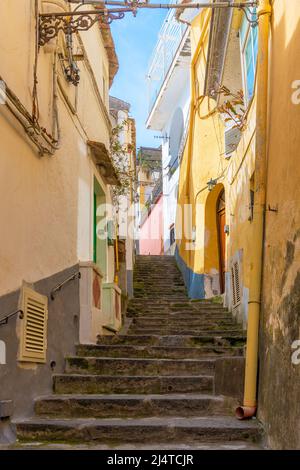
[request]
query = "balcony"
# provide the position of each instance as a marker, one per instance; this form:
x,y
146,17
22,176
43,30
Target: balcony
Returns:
x,y
172,41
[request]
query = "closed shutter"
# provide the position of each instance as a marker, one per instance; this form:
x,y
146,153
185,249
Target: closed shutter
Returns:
x,y
33,339
232,139
235,282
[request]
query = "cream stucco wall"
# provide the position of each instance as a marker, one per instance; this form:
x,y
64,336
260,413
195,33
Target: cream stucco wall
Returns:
x,y
46,203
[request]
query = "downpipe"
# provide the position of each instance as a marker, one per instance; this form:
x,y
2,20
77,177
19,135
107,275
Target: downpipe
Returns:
x,y
249,407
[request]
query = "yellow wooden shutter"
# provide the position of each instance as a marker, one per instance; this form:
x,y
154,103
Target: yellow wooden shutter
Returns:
x,y
33,339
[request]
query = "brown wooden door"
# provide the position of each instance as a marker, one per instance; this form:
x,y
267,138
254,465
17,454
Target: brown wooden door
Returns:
x,y
222,239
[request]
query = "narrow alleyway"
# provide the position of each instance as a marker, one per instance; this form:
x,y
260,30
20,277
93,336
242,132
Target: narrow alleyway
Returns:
x,y
154,385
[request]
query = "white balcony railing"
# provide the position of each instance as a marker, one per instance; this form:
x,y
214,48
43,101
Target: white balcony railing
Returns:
x,y
169,40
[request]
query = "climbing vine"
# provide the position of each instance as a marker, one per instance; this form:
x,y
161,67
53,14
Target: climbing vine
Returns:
x,y
233,108
121,154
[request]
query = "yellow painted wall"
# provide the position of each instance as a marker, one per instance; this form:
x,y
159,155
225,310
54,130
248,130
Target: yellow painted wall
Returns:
x,y
46,202
279,378
196,168
205,155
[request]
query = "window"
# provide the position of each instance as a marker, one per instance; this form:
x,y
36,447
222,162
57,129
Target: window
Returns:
x,y
176,134
172,234
249,48
236,285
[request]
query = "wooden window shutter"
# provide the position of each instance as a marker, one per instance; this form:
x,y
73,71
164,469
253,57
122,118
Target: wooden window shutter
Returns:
x,y
33,338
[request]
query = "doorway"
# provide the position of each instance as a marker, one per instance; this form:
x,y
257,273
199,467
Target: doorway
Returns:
x,y
221,221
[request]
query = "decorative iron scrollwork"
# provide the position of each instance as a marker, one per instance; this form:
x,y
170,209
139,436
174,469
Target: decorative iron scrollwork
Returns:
x,y
249,16
51,25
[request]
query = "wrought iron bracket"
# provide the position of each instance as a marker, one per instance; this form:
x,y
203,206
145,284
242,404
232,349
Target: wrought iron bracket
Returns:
x,y
248,15
50,24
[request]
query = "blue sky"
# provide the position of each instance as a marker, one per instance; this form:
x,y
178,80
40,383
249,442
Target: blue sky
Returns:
x,y
135,39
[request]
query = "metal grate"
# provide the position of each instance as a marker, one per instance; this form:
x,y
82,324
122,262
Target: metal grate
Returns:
x,y
235,282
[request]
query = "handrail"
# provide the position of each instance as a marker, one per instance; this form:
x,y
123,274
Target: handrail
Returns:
x,y
62,284
4,320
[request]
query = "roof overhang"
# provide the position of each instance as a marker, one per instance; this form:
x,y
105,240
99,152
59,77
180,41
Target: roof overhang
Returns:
x,y
104,163
109,46
218,40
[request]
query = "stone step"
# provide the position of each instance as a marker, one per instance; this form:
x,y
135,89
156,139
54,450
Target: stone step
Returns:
x,y
132,406
159,352
91,384
138,366
142,430
163,446
149,276
193,340
187,321
174,316
180,306
199,331
172,296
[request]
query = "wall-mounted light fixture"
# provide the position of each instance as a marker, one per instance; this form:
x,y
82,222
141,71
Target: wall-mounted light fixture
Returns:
x,y
211,184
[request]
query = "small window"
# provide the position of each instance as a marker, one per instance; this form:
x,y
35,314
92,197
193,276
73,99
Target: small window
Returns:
x,y
249,48
236,285
172,234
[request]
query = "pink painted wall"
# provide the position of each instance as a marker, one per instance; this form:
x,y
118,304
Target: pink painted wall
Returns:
x,y
151,232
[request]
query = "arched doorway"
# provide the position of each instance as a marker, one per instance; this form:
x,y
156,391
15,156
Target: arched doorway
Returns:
x,y
221,221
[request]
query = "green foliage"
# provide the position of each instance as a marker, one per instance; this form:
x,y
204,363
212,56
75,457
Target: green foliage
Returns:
x,y
233,109
121,159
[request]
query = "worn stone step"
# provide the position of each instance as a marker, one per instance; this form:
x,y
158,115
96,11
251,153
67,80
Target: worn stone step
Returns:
x,y
187,321
91,384
185,306
180,306
172,317
138,366
165,314
121,350
228,339
142,430
131,406
179,316
185,332
142,295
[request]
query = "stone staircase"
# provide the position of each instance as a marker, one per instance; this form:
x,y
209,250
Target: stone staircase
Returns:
x,y
153,385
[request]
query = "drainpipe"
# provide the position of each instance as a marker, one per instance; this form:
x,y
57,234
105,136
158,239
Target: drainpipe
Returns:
x,y
116,279
250,389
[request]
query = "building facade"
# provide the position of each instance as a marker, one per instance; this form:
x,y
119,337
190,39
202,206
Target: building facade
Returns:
x,y
150,201
169,82
237,196
125,216
58,265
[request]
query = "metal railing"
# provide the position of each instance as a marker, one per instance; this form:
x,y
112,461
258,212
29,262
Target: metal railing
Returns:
x,y
4,319
56,289
53,292
172,167
170,37
151,201
157,191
